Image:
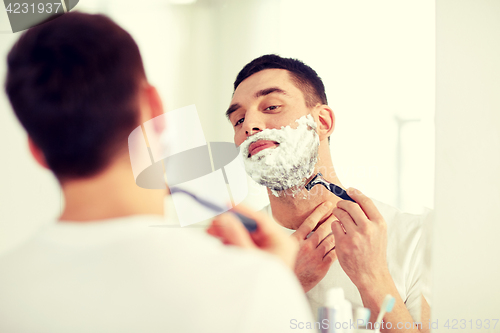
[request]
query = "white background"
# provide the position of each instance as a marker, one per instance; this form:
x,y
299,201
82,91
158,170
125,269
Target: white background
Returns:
x,y
465,262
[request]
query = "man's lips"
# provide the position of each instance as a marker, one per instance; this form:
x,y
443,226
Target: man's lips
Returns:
x,y
257,146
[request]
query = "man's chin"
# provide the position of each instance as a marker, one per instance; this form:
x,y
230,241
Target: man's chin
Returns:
x,y
281,192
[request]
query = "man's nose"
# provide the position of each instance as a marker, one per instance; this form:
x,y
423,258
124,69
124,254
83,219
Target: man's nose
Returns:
x,y
252,124
252,131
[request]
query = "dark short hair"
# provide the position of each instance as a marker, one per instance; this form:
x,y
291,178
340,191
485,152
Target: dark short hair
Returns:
x,y
73,83
303,76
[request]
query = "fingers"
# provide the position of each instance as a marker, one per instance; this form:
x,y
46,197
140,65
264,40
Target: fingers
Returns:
x,y
268,237
268,232
330,256
229,229
312,220
322,232
366,204
345,219
338,231
326,245
361,212
355,212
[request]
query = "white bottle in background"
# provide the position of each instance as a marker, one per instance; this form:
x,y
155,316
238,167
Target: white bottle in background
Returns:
x,y
346,310
336,315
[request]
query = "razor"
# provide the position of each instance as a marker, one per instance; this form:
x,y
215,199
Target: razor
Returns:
x,y
337,190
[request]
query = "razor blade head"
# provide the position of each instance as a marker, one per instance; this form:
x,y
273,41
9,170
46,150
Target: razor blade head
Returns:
x,y
318,179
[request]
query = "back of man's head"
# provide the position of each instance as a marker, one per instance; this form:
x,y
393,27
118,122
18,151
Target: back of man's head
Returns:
x,y
304,77
73,83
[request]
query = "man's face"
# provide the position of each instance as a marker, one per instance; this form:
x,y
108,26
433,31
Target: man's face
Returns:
x,y
275,131
267,99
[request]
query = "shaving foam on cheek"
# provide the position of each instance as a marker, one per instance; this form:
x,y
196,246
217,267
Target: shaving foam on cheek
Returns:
x,y
289,164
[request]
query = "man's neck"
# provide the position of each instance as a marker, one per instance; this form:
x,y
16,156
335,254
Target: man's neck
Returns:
x,y
110,194
291,210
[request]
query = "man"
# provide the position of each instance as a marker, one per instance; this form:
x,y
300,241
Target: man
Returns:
x,y
282,124
78,86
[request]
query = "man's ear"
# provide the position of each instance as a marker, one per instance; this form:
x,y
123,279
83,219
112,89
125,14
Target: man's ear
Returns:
x,y
326,119
37,153
151,105
154,100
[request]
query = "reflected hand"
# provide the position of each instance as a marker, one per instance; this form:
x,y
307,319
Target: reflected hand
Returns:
x,y
268,237
361,240
316,253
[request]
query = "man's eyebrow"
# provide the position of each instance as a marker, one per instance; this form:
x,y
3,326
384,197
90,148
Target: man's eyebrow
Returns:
x,y
258,94
268,91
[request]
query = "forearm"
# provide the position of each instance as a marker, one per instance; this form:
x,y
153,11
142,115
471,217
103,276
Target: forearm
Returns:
x,y
399,319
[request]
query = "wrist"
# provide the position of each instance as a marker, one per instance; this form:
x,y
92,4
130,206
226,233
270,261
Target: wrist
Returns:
x,y
376,283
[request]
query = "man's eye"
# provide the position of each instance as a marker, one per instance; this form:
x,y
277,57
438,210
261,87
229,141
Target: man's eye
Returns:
x,y
271,108
239,121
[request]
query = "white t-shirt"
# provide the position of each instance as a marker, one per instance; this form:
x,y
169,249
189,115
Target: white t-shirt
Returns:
x,y
404,259
136,274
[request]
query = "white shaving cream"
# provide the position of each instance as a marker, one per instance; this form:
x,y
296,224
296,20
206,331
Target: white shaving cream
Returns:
x,y
288,165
